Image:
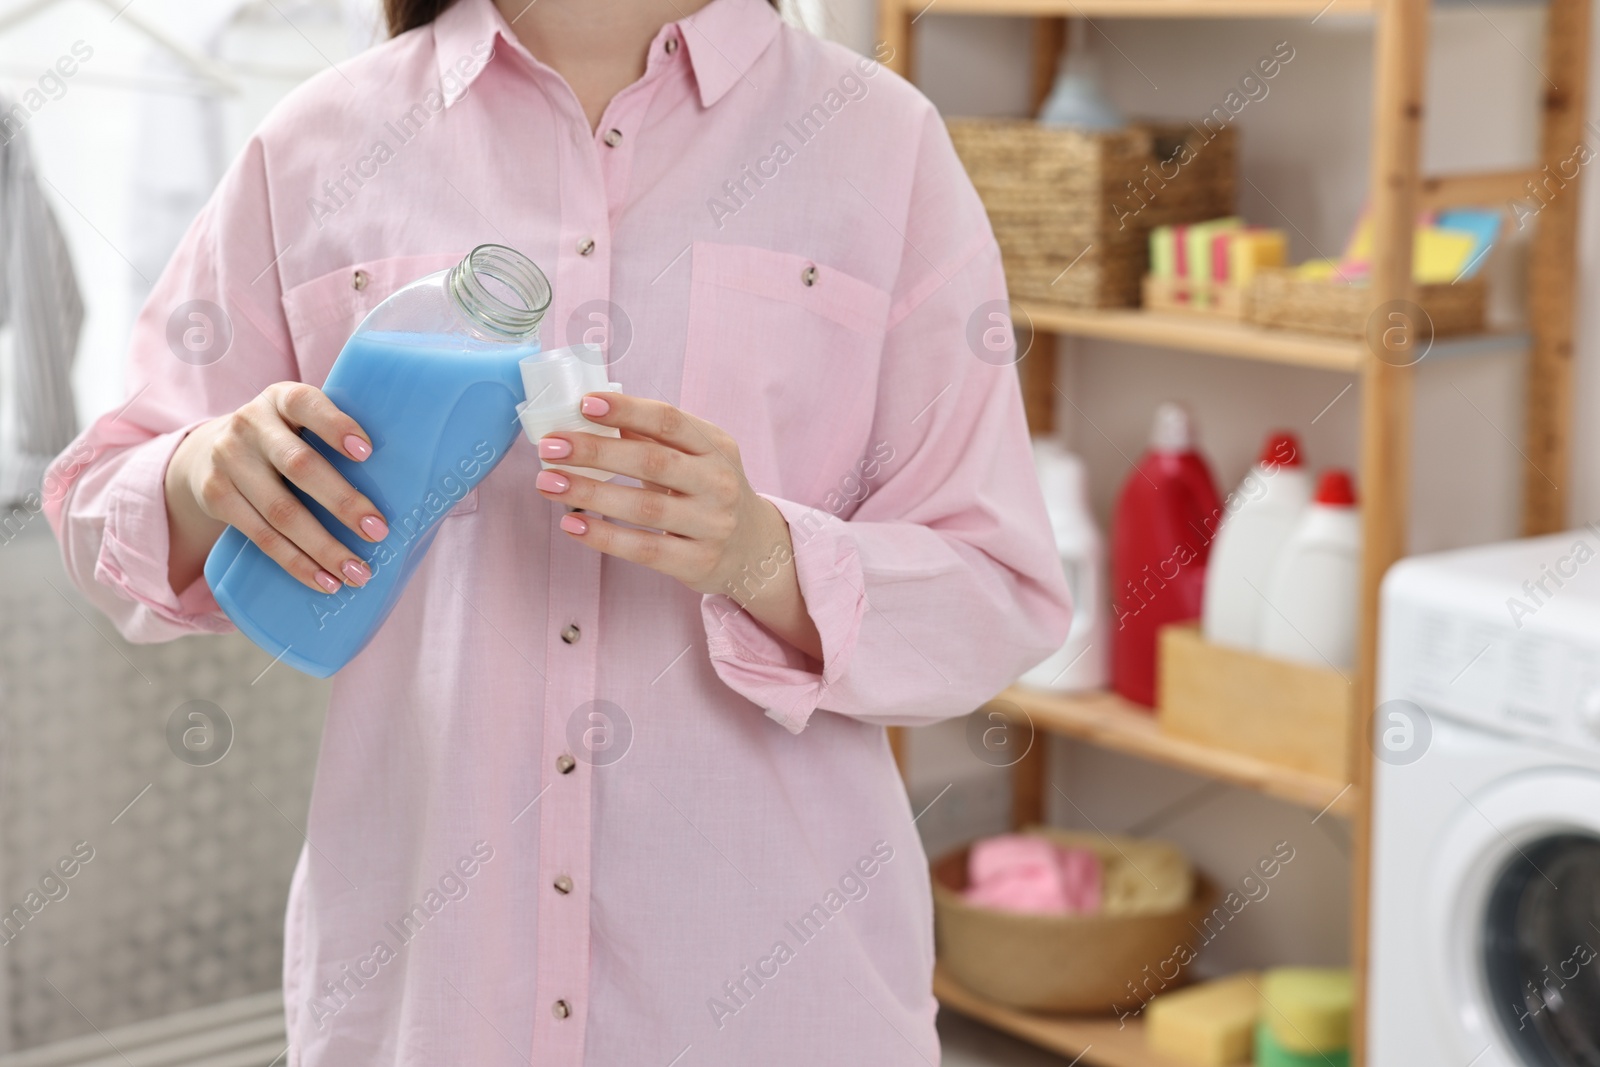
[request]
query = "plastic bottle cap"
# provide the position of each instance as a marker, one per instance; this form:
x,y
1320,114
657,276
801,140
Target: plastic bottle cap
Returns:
x,y
1173,430
1060,474
554,382
1336,490
1282,449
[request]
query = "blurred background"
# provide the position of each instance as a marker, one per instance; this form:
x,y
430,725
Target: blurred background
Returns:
x,y
193,840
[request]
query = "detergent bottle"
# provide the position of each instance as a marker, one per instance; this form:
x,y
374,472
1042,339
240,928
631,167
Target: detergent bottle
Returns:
x,y
1166,516
1265,510
1080,663
1316,582
433,375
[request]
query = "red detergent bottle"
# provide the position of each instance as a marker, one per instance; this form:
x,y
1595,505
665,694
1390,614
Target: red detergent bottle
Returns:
x,y
1166,515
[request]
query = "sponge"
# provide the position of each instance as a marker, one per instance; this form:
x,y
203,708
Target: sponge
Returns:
x,y
1271,1054
1307,1009
1210,1025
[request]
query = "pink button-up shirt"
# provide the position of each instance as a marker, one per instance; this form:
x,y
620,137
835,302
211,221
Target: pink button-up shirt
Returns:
x,y
568,811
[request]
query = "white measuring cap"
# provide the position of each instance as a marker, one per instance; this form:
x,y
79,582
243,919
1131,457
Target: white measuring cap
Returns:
x,y
555,383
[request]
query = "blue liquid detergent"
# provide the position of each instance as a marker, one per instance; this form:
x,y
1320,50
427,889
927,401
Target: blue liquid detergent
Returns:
x,y
441,413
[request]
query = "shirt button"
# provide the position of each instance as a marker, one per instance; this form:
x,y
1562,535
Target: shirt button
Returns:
x,y
570,634
613,138
561,1009
586,246
809,275
565,763
671,45
360,280
563,884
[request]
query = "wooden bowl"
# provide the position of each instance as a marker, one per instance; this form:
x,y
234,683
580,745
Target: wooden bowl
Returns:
x,y
1079,964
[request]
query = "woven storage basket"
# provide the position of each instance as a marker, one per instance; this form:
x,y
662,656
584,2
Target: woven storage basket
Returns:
x,y
1062,198
1282,300
1085,964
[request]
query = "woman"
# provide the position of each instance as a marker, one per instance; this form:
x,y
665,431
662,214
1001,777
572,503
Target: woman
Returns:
x,y
610,787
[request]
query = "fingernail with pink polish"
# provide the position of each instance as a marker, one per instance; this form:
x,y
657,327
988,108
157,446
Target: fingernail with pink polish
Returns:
x,y
555,448
552,482
356,571
594,406
374,527
574,525
356,447
328,582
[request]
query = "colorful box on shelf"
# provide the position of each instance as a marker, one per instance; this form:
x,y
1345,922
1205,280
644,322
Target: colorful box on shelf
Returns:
x,y
1290,714
1206,268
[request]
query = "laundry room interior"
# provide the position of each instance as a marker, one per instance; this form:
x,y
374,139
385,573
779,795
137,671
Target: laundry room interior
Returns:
x,y
1296,321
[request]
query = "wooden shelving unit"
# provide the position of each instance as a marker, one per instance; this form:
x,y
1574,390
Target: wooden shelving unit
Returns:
x,y
1397,192
1099,1040
1234,340
1108,721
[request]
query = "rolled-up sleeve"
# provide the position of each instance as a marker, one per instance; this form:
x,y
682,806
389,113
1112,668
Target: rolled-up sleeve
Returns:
x,y
942,585
211,336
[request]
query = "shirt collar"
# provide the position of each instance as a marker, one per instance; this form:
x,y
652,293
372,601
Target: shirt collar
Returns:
x,y
723,41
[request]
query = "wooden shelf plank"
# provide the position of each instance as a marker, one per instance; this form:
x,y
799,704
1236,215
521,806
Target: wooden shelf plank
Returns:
x,y
1143,9
1108,721
1102,1042
1196,333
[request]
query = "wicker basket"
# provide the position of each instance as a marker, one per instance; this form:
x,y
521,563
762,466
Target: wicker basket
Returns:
x,y
1061,199
1084,964
1282,300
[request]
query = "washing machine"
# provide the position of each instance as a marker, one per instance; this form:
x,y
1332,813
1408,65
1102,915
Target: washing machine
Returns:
x,y
1485,934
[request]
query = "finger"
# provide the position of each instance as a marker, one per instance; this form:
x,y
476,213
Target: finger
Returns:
x,y
675,557
284,513
652,486
310,471
305,406
235,510
648,461
680,515
658,421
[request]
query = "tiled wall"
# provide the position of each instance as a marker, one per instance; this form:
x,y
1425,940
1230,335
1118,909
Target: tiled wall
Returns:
x,y
182,901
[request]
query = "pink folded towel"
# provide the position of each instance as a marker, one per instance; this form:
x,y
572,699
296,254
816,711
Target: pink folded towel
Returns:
x,y
1009,854
1022,873
1081,876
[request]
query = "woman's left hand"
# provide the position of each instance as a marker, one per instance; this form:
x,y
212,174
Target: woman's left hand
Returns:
x,y
703,523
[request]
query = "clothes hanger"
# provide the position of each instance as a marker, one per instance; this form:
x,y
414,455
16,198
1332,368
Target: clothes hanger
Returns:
x,y
204,68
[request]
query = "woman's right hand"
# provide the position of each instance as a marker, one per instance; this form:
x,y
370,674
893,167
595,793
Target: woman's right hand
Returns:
x,y
231,471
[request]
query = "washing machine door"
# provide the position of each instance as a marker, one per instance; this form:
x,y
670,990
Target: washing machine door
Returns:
x,y
1516,934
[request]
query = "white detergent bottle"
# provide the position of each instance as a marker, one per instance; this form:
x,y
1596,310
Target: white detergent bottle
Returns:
x,y
1262,513
1081,662
1311,614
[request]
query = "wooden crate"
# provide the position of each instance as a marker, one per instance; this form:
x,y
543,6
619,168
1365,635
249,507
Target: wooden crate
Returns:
x,y
1073,209
1280,299
1290,713
1177,296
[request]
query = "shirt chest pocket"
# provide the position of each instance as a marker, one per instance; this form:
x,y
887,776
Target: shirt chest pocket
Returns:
x,y
323,312
782,352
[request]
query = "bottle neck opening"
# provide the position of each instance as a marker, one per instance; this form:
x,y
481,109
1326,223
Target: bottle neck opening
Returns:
x,y
500,290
